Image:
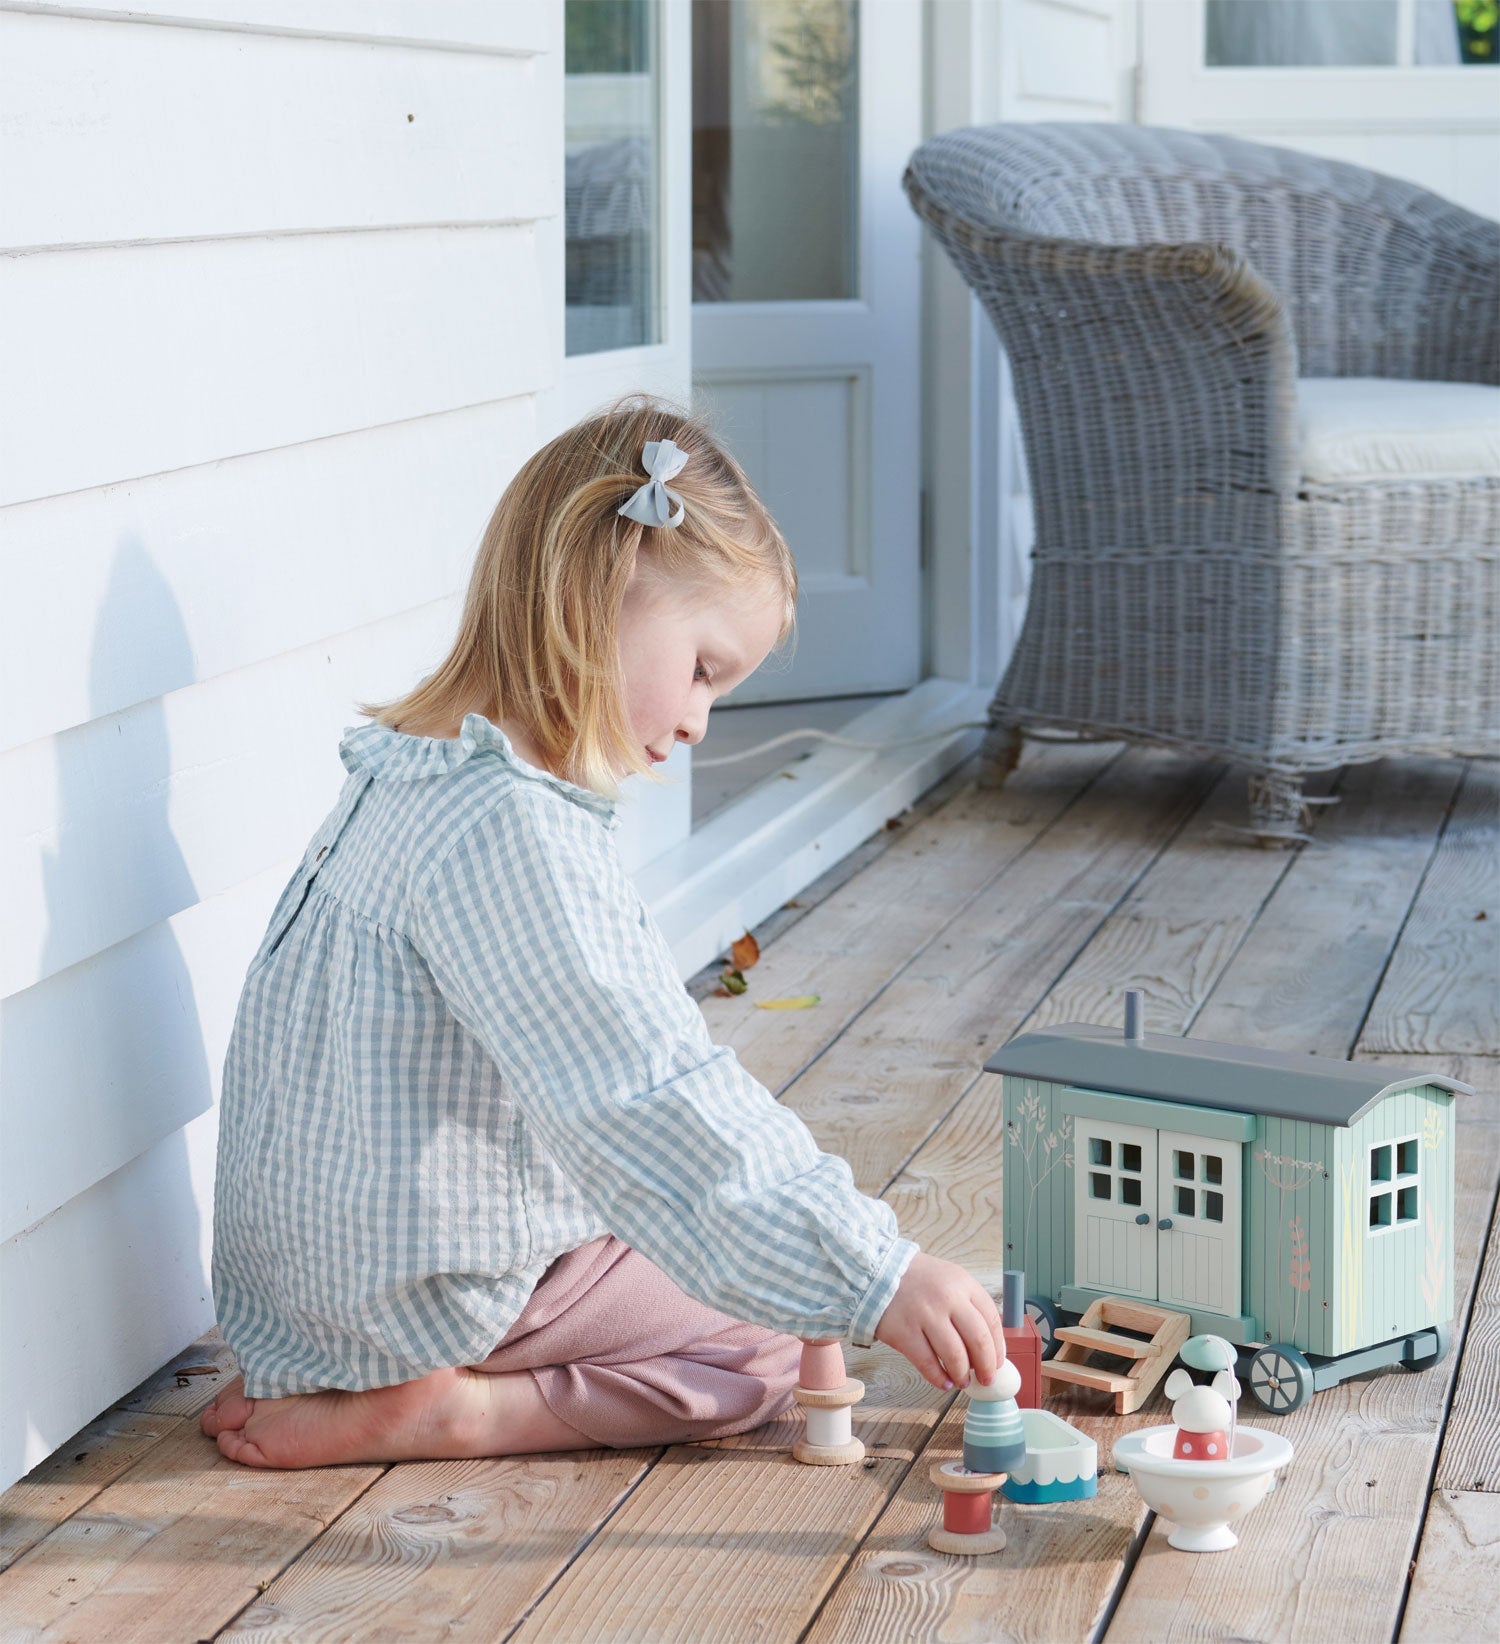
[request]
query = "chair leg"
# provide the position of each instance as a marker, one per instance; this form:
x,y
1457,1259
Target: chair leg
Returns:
x,y
1279,815
999,754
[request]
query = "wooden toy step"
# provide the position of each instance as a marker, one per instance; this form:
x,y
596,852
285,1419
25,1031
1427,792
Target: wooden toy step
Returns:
x,y
1105,1341
1150,1360
1107,1381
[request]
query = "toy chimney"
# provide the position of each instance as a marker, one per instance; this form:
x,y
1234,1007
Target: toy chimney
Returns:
x,y
1135,1030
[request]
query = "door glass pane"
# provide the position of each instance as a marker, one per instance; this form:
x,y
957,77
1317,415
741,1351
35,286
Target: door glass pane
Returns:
x,y
1182,1164
1130,1190
612,174
1185,1200
775,149
1099,1150
1299,33
1130,1155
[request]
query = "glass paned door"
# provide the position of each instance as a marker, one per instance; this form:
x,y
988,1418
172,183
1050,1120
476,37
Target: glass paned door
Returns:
x,y
1114,1208
807,317
1198,1253
775,150
612,174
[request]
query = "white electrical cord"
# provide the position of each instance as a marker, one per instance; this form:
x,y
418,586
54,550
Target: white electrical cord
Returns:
x,y
899,742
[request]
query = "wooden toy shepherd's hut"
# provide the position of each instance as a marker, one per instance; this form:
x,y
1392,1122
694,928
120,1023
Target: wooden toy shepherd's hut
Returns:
x,y
1299,1206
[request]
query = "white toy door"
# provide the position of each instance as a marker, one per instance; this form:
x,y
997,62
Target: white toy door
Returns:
x,y
1198,1223
1114,1203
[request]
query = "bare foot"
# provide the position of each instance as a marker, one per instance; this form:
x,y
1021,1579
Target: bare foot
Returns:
x,y
451,1413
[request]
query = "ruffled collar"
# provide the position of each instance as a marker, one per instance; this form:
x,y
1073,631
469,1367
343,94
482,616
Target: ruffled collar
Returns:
x,y
397,757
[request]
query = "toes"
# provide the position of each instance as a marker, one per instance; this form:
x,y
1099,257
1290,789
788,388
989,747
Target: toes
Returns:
x,y
234,1445
229,1411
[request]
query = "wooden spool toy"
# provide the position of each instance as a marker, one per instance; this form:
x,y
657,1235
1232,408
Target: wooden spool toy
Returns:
x,y
827,1396
968,1510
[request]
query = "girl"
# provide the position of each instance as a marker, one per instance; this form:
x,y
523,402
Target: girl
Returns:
x,y
485,1185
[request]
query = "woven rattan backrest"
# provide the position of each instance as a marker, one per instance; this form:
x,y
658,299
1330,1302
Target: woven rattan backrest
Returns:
x,y
1358,260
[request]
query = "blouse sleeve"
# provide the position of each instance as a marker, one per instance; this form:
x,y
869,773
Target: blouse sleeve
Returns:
x,y
544,950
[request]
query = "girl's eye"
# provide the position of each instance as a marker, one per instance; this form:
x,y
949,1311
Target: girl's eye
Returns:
x,y
700,672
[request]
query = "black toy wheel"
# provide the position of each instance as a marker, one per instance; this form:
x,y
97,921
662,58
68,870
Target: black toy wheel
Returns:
x,y
1043,1315
1281,1378
1425,1361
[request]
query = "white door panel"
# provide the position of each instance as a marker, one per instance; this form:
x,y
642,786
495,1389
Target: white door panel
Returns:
x,y
806,331
1198,1219
1114,1200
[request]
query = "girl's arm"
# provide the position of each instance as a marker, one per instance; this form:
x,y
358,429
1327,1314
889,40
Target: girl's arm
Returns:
x,y
541,945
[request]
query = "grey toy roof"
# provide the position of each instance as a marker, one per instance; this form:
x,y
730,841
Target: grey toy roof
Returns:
x,y
1320,1089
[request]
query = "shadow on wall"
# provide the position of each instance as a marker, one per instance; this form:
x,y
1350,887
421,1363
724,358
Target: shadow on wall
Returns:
x,y
102,1061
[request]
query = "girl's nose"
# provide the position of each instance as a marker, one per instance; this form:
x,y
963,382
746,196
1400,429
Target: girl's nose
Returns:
x,y
692,728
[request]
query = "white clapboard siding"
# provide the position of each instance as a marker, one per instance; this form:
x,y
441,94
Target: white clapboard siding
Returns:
x,y
505,27
231,563
115,825
104,1293
279,135
117,1053
136,360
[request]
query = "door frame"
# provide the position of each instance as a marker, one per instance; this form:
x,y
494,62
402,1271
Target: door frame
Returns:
x,y
708,886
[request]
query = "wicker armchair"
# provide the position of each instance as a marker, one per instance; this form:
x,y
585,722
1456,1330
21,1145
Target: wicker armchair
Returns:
x,y
1158,294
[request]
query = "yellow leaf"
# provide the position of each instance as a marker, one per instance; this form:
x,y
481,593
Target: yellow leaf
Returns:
x,y
803,1002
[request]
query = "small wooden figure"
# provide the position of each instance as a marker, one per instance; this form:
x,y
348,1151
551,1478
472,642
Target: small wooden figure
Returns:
x,y
993,1439
968,1510
827,1396
1023,1342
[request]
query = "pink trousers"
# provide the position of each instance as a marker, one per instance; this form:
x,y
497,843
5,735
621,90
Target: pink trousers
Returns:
x,y
623,1355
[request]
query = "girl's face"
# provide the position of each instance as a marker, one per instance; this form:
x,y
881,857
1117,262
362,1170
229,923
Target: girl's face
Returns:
x,y
682,647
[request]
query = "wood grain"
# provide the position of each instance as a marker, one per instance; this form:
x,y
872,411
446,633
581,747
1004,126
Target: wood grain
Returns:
x,y
1471,1441
1458,1571
852,944
437,1550
116,1571
1440,993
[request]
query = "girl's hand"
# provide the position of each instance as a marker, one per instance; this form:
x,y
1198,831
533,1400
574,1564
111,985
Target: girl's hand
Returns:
x,y
945,1322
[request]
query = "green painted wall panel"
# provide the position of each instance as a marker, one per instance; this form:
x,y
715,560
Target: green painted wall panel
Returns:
x,y
1037,1184
1287,1257
1405,1267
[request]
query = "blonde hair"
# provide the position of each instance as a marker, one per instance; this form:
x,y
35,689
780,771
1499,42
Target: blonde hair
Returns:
x,y
538,641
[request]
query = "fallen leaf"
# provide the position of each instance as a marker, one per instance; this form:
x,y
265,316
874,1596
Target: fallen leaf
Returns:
x,y
804,1001
744,952
794,903
722,993
733,981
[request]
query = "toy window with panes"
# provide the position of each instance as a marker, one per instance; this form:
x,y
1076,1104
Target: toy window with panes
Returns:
x,y
1115,1169
1393,1184
1197,1184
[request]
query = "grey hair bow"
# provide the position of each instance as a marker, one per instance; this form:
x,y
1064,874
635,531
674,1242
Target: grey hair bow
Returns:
x,y
653,503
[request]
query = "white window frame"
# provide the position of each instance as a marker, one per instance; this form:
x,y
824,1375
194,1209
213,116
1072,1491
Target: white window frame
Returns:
x,y
1391,1187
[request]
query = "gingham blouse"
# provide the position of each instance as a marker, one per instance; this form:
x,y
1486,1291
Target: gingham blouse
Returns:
x,y
463,1050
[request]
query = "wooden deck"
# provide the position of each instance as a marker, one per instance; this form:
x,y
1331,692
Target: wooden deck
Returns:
x,y
973,916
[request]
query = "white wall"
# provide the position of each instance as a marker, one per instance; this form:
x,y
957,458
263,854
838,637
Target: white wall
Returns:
x,y
991,60
280,314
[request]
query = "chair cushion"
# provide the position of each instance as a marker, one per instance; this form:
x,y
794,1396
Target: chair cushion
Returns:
x,y
1383,428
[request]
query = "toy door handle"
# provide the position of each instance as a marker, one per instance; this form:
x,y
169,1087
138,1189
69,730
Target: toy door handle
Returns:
x,y
1165,1224
1142,1219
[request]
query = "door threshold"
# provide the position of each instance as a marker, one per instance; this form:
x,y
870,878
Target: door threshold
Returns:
x,y
749,858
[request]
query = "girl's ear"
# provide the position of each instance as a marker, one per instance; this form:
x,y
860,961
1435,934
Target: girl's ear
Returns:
x,y
1178,1383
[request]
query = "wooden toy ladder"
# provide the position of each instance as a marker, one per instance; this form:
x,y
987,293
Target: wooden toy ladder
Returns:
x,y
1148,1361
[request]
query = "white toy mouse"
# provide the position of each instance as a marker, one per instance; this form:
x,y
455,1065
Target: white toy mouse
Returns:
x,y
1204,1415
